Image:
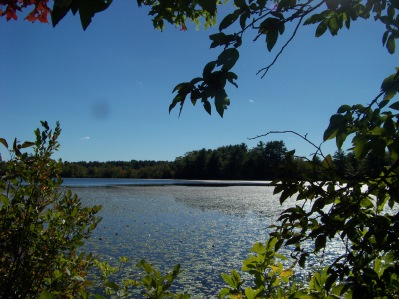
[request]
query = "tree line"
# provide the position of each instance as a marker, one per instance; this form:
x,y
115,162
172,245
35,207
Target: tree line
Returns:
x,y
265,161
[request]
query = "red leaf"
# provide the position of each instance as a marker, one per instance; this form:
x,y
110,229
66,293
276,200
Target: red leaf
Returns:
x,y
10,14
183,27
43,17
31,17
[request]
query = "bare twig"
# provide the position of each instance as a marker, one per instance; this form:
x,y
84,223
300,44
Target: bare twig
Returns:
x,y
304,137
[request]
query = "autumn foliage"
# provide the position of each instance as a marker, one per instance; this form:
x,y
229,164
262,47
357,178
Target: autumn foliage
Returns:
x,y
39,9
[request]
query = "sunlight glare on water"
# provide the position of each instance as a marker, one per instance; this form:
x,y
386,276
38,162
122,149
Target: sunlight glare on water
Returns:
x,y
208,230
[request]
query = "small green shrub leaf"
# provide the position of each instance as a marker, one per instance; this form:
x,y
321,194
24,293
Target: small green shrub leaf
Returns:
x,y
228,280
46,295
111,285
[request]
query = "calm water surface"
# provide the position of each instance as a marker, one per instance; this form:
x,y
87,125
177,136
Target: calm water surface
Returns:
x,y
208,230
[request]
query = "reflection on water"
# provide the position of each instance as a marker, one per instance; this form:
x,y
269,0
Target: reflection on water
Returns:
x,y
208,230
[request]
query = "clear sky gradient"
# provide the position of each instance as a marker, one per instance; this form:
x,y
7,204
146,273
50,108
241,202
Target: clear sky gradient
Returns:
x,y
111,85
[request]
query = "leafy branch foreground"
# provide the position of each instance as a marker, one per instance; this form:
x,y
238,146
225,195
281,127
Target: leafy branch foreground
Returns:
x,y
43,228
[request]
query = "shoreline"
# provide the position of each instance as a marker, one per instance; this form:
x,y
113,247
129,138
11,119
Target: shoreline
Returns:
x,y
115,182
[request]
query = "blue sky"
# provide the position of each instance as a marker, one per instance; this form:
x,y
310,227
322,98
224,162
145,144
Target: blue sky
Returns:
x,y
111,85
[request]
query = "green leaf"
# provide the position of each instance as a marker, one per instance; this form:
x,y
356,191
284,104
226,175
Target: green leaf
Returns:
x,y
228,280
196,80
221,102
243,19
360,147
383,103
217,39
293,240
261,3
281,28
177,99
385,37
239,3
46,295
332,4
230,76
88,8
316,18
394,106
4,200
320,242
340,139
111,285
327,162
389,83
271,39
302,260
330,281
207,107
224,292
228,59
321,29
258,247
209,67
209,6
391,44
27,144
250,293
229,19
4,142
333,25
60,9
236,278
337,121
344,108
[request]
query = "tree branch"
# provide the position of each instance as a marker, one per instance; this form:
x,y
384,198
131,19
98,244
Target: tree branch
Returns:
x,y
304,137
266,69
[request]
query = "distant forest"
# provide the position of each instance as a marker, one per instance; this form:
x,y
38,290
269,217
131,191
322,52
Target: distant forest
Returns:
x,y
266,161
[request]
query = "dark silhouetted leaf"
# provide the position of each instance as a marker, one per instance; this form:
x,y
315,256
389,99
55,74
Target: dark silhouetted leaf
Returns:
x,y
229,19
207,107
220,102
88,8
209,6
391,44
60,9
209,67
395,106
320,242
271,39
228,58
4,142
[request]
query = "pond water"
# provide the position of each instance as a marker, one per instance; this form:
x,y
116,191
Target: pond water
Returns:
x,y
208,230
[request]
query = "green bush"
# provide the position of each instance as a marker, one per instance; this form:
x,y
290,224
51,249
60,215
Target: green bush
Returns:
x,y
41,226
358,209
42,231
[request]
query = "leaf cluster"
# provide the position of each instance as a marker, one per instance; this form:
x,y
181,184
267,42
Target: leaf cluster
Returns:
x,y
153,284
211,85
361,211
269,21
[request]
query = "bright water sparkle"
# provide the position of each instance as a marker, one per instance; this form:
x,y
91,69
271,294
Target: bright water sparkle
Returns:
x,y
208,230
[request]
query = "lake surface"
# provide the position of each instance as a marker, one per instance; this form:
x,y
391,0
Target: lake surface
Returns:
x,y
103,182
206,229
